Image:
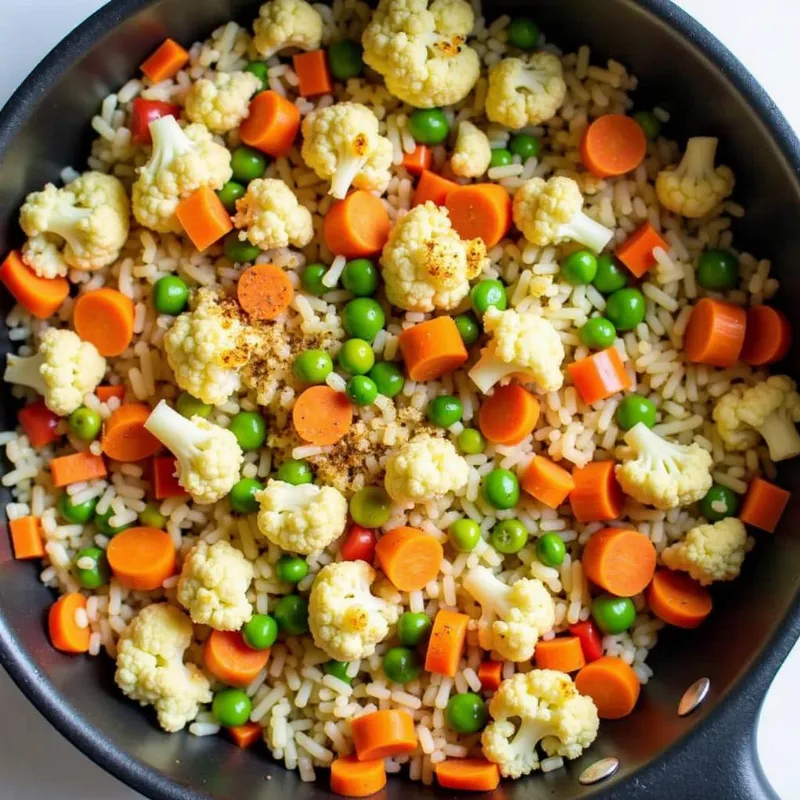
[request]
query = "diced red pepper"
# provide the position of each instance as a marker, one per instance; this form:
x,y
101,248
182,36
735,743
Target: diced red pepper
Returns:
x,y
39,423
591,641
165,484
144,112
359,544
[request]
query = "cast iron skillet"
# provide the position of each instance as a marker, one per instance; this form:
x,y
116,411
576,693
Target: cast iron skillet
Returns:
x,y
710,754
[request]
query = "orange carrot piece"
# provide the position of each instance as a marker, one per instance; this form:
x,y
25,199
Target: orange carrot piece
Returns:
x,y
409,557
509,415
313,75
39,423
677,599
480,211
203,217
264,291
490,674
228,658
613,145
546,481
432,187
468,774
141,558
26,537
636,252
321,415
356,227
620,560
165,481
764,505
124,435
246,735
597,497
432,348
42,297
419,160
767,337
446,643
104,317
77,467
167,60
353,778
612,684
715,333
65,634
564,653
105,393
383,734
271,124
600,375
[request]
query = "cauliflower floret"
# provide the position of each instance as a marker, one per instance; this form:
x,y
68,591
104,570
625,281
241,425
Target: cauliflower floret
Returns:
x,y
62,371
183,160
84,225
301,519
423,469
345,618
664,474
421,50
768,410
222,102
341,144
213,586
551,712
472,153
525,91
710,552
287,23
209,457
425,264
551,212
150,666
513,617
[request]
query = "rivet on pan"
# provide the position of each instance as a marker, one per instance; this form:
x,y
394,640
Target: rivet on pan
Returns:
x,y
599,771
694,696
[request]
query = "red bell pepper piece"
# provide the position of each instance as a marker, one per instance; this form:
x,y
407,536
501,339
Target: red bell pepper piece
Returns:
x,y
591,641
39,423
144,112
358,544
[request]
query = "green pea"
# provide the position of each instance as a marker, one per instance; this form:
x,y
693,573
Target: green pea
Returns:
x,y
188,406
626,309
471,442
500,157
466,713
240,251
295,471
95,576
370,507
360,277
312,279
229,194
509,536
551,550
598,333
231,707
103,524
250,430
413,628
649,123
718,269
401,664
468,328
313,366
488,293
356,357
361,390
291,614
345,60
85,424
152,517
428,125
170,295
501,488
77,514
362,318
613,615
259,69
633,409
523,33
291,569
720,502
525,146
242,497
248,164
338,669
445,410
579,268
388,378
464,534
260,631
611,276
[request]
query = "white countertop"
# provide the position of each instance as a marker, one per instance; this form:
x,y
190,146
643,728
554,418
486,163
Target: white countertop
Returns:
x,y
762,35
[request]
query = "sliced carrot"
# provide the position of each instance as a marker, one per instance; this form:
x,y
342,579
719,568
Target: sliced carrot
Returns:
x,y
432,187
677,599
41,297
246,735
409,557
432,349
480,211
165,63
356,227
764,505
77,467
105,393
203,217
564,653
271,125
597,497
419,160
600,375
141,558
383,734
321,415
549,483
613,145
490,674
468,774
26,537
264,291
446,643
620,560
104,317
767,337
165,481
715,333
65,634
313,75
612,684
228,658
636,252
509,415
39,423
353,778
124,434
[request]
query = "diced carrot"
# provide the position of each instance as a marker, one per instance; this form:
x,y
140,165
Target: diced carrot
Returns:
x,y
264,291
432,187
26,537
715,333
228,658
446,642
321,415
409,557
468,774
313,75
141,558
490,674
613,145
41,297
419,160
203,217
546,481
597,497
165,481
612,684
383,734
246,735
620,560
271,125
65,634
764,505
677,599
509,415
432,349
104,317
77,467
353,778
636,252
767,337
563,653
356,227
165,63
39,423
105,393
480,211
600,375
124,435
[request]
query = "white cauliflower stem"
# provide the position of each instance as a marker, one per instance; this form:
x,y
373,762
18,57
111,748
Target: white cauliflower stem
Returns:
x,y
222,102
472,153
269,216
286,23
